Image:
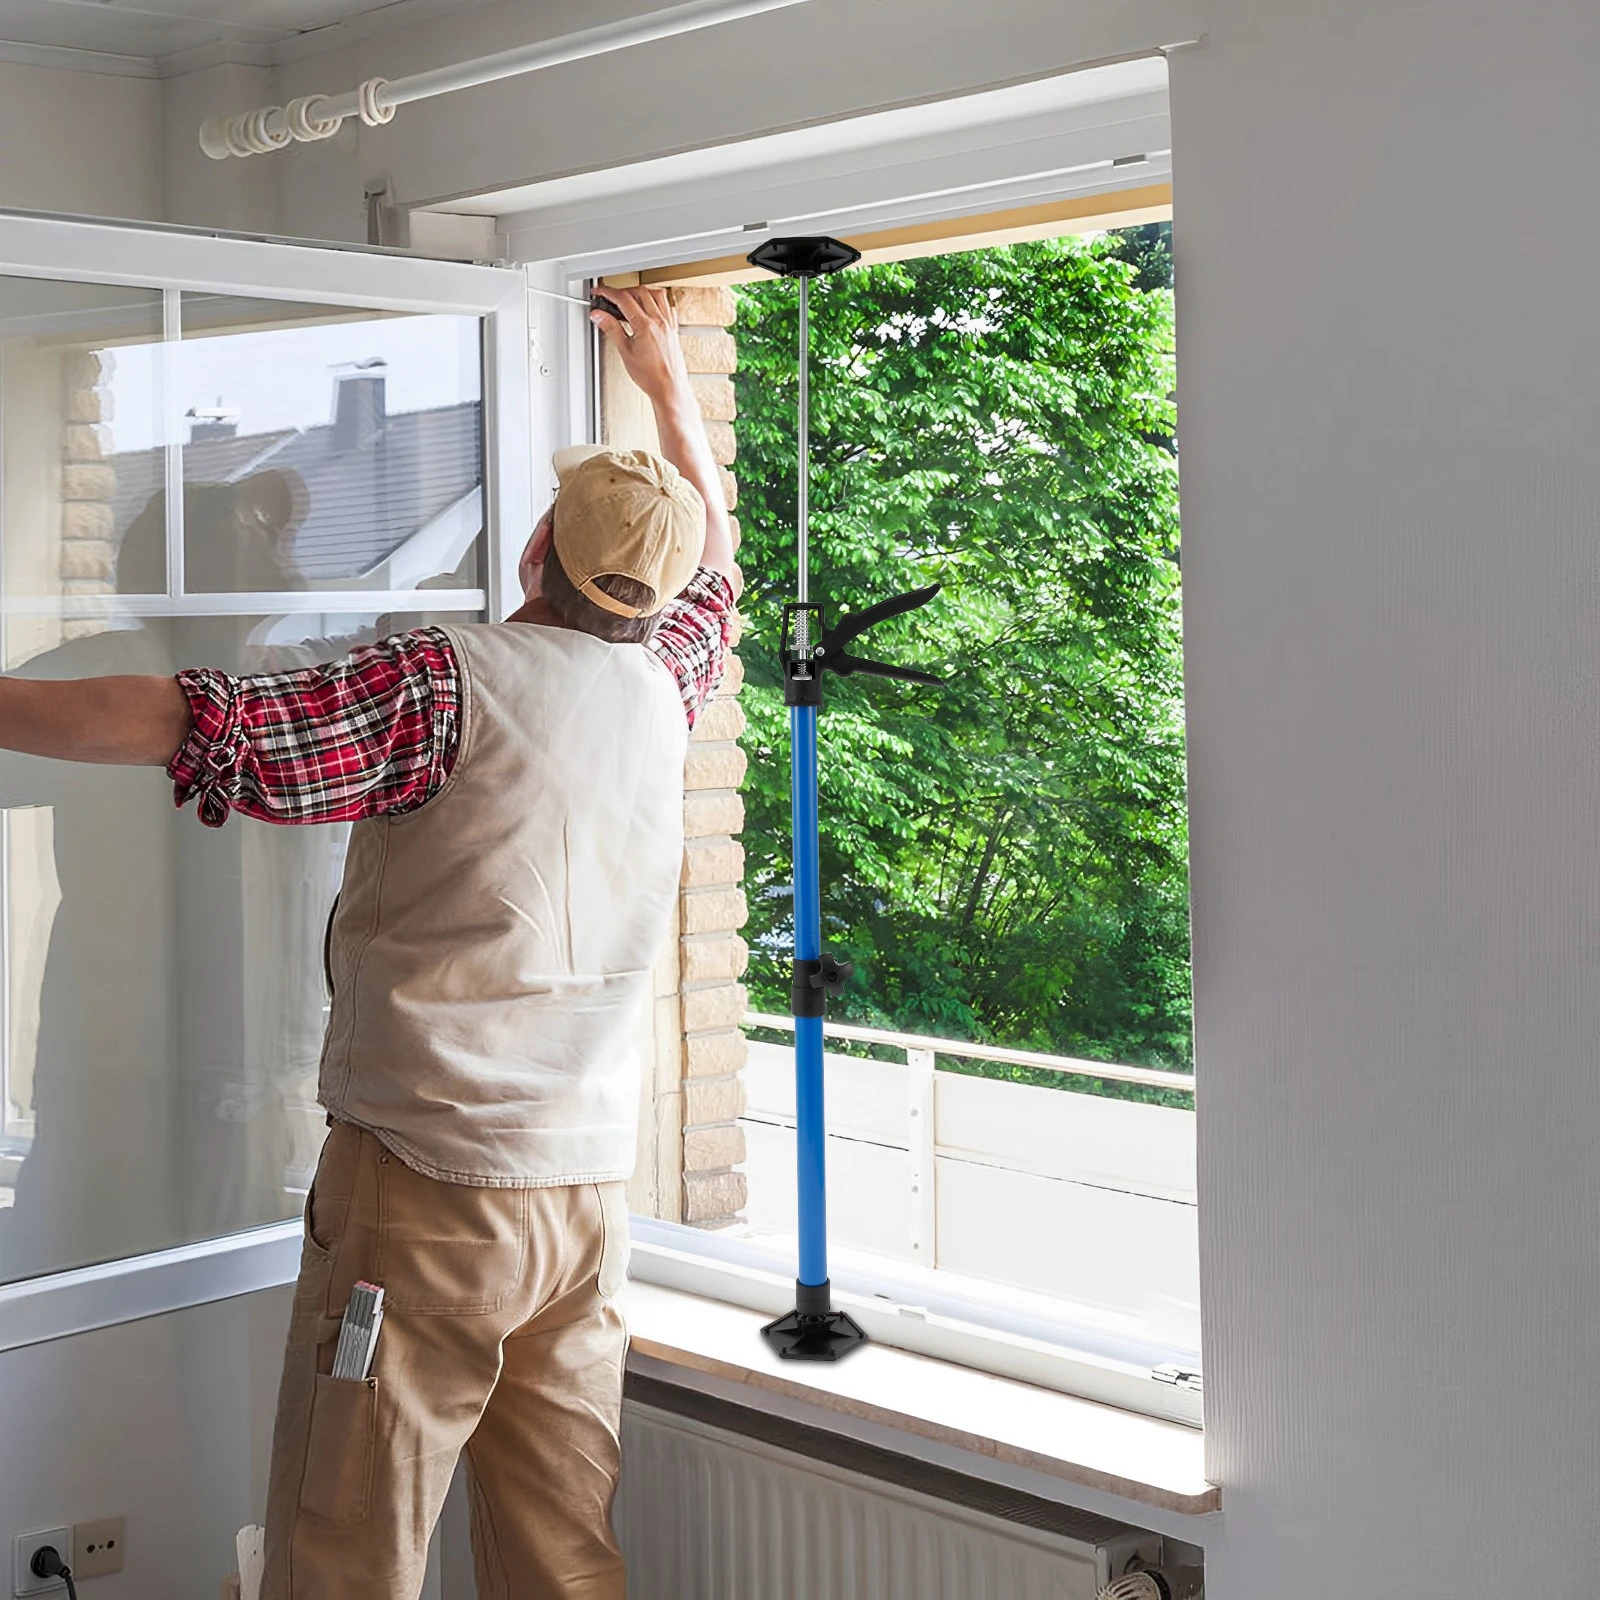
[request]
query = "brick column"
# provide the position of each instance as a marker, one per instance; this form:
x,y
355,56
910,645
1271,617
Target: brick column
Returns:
x,y
695,1147
711,953
88,484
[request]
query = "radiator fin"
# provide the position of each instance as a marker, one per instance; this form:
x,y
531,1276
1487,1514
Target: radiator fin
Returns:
x,y
705,1515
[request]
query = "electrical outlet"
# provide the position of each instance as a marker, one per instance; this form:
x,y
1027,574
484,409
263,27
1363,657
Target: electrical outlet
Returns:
x,y
97,1547
23,1581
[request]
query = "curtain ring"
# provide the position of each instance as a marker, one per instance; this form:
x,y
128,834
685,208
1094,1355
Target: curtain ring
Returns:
x,y
373,114
261,138
304,121
235,137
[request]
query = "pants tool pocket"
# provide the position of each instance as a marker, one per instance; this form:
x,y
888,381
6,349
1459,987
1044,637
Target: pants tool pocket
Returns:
x,y
340,1449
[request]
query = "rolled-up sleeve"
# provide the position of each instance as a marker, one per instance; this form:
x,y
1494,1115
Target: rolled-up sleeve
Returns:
x,y
691,640
371,735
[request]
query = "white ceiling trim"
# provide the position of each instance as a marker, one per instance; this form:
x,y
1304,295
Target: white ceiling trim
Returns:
x,y
61,58
990,108
214,53
240,43
1074,136
384,19
596,256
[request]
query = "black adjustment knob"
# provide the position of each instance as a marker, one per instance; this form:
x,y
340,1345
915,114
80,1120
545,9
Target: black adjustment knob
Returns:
x,y
814,982
832,975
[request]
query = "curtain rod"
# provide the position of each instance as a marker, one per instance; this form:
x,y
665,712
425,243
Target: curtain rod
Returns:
x,y
319,116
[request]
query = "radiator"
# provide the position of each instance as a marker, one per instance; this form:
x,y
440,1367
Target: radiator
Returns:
x,y
706,1514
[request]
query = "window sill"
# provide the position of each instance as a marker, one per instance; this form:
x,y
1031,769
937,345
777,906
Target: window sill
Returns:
x,y
907,1309
679,1337
684,1338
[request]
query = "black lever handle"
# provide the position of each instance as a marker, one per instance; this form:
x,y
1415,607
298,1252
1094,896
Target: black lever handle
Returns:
x,y
857,623
807,655
845,664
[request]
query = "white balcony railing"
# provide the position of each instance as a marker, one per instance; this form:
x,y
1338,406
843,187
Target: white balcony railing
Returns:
x,y
1074,1196
928,1044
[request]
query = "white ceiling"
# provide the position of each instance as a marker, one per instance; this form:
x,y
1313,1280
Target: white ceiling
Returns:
x,y
149,32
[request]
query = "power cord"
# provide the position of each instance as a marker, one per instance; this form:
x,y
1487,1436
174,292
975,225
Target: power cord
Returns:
x,y
47,1563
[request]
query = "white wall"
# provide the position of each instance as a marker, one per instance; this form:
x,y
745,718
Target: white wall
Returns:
x,y
1391,506
166,1422
79,141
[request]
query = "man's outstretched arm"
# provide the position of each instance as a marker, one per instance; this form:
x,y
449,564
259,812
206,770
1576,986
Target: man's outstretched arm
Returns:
x,y
131,722
369,735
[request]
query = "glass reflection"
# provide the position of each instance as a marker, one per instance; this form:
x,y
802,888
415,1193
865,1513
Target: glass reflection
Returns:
x,y
81,394
161,989
378,422
164,981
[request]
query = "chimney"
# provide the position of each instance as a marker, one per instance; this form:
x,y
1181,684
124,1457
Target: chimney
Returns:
x,y
212,422
358,404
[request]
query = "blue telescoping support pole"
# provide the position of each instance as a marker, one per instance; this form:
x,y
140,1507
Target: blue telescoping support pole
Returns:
x,y
806,832
809,1121
814,1331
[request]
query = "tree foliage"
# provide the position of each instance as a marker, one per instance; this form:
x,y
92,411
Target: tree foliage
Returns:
x,y
1005,859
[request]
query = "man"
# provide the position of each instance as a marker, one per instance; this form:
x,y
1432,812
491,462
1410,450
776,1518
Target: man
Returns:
x,y
517,794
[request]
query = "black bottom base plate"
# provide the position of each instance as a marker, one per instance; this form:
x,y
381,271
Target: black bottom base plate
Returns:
x,y
814,1338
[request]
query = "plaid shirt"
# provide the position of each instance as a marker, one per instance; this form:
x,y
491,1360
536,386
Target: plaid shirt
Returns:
x,y
376,733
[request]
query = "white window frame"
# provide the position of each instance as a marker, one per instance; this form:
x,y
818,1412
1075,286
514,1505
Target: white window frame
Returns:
x,y
178,261
887,171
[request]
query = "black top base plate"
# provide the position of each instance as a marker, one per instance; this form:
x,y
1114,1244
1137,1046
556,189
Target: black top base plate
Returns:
x,y
825,1338
809,257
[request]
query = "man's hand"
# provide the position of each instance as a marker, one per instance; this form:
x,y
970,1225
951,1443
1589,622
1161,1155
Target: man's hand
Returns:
x,y
647,341
652,356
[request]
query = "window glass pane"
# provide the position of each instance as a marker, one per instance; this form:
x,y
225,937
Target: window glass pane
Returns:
x,y
328,448
81,435
1012,872
162,981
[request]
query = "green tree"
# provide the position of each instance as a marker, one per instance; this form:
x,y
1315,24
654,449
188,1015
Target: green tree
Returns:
x,y
1005,859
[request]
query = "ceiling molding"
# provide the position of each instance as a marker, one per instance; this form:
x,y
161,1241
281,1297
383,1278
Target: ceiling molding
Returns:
x,y
245,44
1066,142
62,58
215,53
369,24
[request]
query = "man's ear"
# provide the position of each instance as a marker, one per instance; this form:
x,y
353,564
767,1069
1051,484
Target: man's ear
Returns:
x,y
531,563
542,537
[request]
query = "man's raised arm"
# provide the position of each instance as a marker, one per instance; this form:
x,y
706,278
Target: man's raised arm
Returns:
x,y
131,721
653,358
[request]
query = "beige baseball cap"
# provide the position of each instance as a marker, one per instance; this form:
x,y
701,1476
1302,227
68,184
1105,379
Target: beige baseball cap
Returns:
x,y
628,513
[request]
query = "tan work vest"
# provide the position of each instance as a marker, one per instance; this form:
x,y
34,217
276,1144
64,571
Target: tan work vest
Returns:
x,y
491,952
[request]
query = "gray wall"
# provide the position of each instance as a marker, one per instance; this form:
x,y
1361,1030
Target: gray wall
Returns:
x,y
1387,364
79,141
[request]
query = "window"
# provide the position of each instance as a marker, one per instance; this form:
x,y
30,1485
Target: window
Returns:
x,y
230,478
1009,1089
1005,860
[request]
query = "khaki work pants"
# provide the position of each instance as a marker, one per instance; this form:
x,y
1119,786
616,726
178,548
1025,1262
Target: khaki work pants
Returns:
x,y
501,1337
